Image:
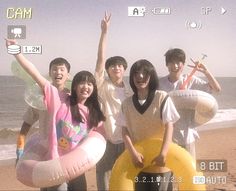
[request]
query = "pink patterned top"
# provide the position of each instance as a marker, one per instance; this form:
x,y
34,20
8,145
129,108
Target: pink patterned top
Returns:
x,y
64,133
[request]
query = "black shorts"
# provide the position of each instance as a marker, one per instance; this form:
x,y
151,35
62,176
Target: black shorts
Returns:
x,y
154,181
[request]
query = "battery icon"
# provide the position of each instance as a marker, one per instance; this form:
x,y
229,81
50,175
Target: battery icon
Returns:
x,y
161,11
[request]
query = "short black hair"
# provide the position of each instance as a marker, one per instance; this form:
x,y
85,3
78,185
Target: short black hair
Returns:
x,y
116,60
59,61
175,55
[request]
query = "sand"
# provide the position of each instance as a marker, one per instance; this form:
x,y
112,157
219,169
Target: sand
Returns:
x,y
9,182
219,144
213,144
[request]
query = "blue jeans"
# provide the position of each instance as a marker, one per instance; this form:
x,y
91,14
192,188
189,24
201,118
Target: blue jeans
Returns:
x,y
77,184
104,166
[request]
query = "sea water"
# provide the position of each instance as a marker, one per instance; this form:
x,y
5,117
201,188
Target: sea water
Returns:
x,y
12,108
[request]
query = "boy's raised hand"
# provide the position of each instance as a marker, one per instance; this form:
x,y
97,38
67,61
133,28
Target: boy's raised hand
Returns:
x,y
198,66
105,22
10,42
12,47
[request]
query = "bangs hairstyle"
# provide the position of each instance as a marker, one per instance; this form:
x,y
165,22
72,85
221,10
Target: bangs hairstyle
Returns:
x,y
146,66
116,60
95,113
59,62
175,55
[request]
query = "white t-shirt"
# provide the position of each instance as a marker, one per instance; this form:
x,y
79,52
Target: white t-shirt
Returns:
x,y
112,98
183,133
195,83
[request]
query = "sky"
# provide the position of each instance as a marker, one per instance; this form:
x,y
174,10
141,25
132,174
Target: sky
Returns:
x,y
71,29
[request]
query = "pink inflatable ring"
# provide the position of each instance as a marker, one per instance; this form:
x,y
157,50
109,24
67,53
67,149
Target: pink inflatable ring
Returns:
x,y
32,170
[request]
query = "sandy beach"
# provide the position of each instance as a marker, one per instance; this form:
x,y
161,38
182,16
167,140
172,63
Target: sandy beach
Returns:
x,y
9,181
213,144
219,144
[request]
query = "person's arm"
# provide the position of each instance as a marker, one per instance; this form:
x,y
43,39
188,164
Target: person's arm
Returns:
x,y
28,67
25,128
137,157
100,66
213,83
169,117
167,139
21,140
30,117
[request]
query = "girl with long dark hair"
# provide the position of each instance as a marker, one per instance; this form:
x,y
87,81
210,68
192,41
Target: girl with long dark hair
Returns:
x,y
148,113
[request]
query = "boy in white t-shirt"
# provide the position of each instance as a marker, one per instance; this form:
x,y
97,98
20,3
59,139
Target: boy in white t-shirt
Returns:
x,y
113,90
184,134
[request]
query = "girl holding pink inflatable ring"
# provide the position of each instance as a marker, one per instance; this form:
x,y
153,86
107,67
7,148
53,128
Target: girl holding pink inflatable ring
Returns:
x,y
72,116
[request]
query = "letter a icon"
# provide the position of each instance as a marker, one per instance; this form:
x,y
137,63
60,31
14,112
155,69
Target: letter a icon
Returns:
x,y
135,11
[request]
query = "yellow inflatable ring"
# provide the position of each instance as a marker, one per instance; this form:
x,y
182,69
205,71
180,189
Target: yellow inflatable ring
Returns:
x,y
178,160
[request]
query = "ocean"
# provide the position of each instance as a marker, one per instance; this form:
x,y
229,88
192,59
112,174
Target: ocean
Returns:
x,y
13,106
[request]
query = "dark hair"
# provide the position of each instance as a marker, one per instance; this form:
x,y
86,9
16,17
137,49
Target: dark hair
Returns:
x,y
60,61
114,61
95,113
175,55
147,67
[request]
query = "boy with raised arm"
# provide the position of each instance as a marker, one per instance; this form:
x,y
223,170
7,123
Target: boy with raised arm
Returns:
x,y
32,115
59,73
184,134
113,90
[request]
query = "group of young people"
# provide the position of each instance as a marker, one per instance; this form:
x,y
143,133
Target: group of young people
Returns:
x,y
129,111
